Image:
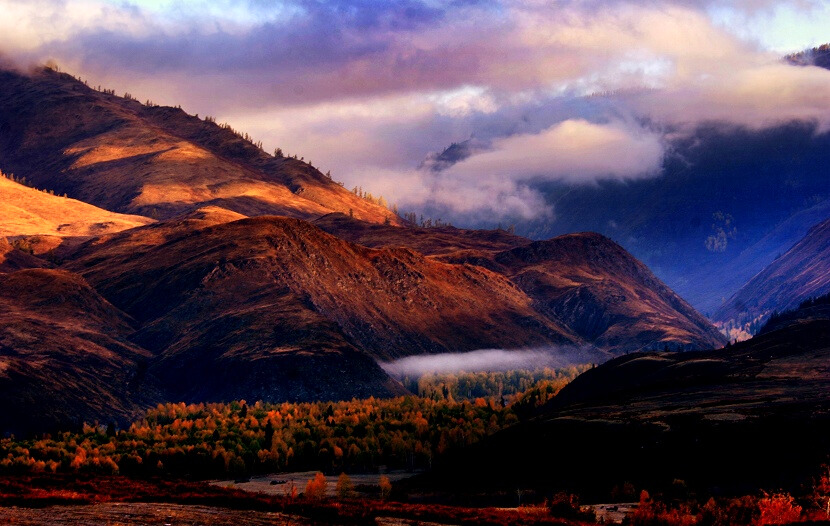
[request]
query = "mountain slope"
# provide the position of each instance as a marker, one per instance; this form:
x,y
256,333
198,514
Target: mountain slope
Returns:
x,y
734,273
13,259
802,272
65,357
585,282
121,155
605,295
29,212
274,308
394,302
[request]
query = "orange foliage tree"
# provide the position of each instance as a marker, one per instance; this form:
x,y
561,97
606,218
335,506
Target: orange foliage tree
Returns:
x,y
315,489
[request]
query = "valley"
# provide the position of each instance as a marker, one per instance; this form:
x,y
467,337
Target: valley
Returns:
x,y
214,298
197,330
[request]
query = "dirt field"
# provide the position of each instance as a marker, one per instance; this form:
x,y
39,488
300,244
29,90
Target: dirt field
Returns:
x,y
150,514
300,479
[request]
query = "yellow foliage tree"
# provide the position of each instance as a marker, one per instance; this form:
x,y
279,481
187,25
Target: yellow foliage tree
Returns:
x,y
344,488
385,487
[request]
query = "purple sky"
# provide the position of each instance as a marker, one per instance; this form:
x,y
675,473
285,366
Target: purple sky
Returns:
x,y
547,90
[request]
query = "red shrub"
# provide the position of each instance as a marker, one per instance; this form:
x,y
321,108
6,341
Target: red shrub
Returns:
x,y
779,508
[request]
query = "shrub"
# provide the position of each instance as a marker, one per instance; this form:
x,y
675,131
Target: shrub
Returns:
x,y
743,510
316,488
566,506
779,508
652,513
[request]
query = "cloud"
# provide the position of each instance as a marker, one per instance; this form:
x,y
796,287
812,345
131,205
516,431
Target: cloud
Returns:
x,y
489,360
498,181
369,89
571,150
760,96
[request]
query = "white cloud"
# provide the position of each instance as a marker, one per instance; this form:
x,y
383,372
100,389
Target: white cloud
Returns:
x,y
574,150
755,96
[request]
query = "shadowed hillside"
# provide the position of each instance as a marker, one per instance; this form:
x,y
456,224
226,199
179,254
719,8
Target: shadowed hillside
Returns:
x,y
802,272
65,355
751,416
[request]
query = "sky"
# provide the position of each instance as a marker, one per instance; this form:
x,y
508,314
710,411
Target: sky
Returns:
x,y
569,90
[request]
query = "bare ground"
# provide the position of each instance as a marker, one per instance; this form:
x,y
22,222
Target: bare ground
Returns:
x,y
140,513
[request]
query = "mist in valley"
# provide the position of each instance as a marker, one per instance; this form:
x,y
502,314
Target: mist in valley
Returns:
x,y
490,360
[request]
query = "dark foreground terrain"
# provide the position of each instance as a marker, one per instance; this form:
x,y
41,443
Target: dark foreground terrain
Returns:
x,y
88,499
140,513
754,416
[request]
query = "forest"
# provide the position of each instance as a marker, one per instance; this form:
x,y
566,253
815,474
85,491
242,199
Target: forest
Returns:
x,y
237,438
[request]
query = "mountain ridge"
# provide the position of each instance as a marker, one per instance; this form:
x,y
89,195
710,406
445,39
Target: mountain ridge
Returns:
x,y
73,139
65,357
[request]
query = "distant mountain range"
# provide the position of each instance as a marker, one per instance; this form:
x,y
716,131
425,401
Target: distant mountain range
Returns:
x,y
727,201
801,273
242,275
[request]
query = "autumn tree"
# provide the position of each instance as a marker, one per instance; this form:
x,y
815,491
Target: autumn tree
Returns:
x,y
344,488
315,489
385,487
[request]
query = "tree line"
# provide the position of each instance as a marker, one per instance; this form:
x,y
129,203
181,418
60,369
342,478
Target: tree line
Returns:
x,y
219,439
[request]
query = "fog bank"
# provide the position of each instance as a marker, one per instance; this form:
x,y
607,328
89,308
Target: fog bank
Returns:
x,y
490,360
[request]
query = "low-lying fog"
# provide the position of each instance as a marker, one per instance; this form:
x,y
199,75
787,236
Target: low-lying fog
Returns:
x,y
489,360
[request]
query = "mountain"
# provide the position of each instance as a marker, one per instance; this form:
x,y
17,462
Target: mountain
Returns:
x,y
585,282
391,302
604,294
64,355
740,269
124,156
800,273
227,307
261,278
751,416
